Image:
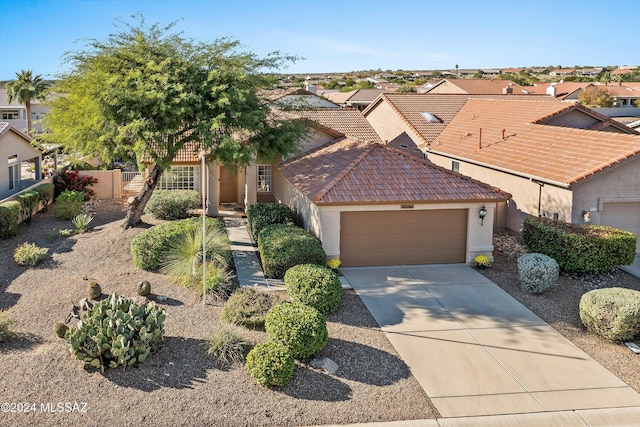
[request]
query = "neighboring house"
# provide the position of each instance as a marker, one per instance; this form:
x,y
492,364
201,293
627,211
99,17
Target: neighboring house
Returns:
x,y
549,159
15,113
591,72
359,98
371,204
623,70
511,70
624,96
298,98
563,72
20,157
560,90
476,87
556,158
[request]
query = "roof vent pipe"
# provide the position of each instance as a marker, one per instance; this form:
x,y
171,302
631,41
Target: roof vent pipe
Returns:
x,y
503,134
480,139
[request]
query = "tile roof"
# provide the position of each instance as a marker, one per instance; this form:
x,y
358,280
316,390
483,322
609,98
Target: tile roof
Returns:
x,y
347,171
339,97
366,95
410,106
562,89
483,86
3,126
550,153
189,153
348,121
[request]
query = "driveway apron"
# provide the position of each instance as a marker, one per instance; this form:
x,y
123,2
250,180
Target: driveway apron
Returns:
x,y
477,351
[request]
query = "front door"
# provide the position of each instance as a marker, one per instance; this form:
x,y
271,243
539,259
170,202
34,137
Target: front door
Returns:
x,y
228,185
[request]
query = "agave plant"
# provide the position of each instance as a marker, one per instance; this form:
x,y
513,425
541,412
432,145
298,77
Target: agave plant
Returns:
x,y
183,261
82,222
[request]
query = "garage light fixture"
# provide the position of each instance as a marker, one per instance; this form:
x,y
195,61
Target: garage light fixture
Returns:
x,y
482,214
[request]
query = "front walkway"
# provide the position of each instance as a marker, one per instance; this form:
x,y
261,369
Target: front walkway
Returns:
x,y
476,351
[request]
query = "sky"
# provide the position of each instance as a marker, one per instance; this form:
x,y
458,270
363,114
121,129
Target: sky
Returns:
x,y
342,36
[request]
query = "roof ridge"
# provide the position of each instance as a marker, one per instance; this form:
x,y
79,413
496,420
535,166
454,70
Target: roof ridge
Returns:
x,y
404,119
324,190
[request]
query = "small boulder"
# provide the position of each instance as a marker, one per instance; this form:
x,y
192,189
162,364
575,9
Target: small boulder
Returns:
x,y
322,362
144,288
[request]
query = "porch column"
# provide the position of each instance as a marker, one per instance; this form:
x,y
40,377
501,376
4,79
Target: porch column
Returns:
x,y
250,185
213,188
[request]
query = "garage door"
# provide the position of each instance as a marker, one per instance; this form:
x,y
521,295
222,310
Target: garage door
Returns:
x,y
623,215
403,237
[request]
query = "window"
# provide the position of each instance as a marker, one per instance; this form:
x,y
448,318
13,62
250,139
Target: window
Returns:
x,y
10,115
455,166
180,178
264,178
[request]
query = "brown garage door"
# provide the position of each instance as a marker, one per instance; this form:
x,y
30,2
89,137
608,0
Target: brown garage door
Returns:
x,y
403,237
623,215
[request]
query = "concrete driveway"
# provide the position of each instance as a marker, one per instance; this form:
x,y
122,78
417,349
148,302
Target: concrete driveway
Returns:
x,y
476,351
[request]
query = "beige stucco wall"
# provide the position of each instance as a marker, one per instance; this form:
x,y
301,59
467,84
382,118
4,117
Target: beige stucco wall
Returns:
x,y
324,221
525,193
573,119
109,184
446,87
12,144
386,122
618,184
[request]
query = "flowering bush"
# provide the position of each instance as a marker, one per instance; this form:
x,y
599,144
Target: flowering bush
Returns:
x,y
334,263
29,254
71,180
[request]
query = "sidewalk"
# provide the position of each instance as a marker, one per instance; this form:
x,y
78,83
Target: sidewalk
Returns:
x,y
634,268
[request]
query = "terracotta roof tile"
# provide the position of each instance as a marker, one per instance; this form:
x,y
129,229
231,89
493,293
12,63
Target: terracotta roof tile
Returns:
x,y
553,153
348,171
348,121
484,86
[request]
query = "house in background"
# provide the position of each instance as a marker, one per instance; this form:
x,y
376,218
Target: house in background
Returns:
x,y
476,87
20,157
562,90
359,98
15,113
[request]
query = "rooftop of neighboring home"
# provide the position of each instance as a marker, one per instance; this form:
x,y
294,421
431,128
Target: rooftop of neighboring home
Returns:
x,y
441,109
629,91
348,121
355,97
623,70
478,86
521,136
562,89
347,171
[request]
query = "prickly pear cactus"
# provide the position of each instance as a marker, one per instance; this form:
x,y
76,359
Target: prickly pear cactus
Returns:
x,y
144,288
94,290
60,329
117,332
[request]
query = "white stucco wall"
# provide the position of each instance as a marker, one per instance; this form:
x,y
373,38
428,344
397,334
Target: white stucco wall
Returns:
x,y
12,144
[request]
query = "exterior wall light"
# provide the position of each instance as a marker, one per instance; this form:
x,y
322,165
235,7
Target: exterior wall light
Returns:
x,y
482,214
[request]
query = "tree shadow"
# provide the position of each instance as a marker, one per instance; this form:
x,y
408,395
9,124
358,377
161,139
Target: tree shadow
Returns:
x,y
310,384
364,319
9,299
365,364
19,342
179,363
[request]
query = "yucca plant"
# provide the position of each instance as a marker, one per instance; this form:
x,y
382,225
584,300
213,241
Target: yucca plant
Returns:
x,y
183,261
81,222
227,344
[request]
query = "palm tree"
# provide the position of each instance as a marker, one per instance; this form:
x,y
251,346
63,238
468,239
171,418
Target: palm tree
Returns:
x,y
24,89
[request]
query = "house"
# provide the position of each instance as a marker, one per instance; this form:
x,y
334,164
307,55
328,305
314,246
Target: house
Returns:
x,y
476,87
561,90
512,70
359,98
21,161
564,162
15,113
563,72
298,98
556,158
623,96
371,204
623,70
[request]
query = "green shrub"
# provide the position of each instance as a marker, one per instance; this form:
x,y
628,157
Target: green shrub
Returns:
x,y
68,205
9,219
227,344
580,248
28,202
117,332
173,204
6,321
537,272
149,248
259,215
249,307
29,254
314,285
218,284
82,222
270,364
46,192
612,313
299,327
283,246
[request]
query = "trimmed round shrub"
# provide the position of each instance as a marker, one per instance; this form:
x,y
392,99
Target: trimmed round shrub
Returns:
x,y
173,204
538,272
259,215
270,364
148,248
68,204
282,246
249,307
612,313
314,285
299,327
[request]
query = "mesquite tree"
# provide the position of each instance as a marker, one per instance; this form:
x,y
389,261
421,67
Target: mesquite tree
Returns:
x,y
148,91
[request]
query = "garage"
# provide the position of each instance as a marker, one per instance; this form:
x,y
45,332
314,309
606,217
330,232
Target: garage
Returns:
x,y
623,215
403,237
